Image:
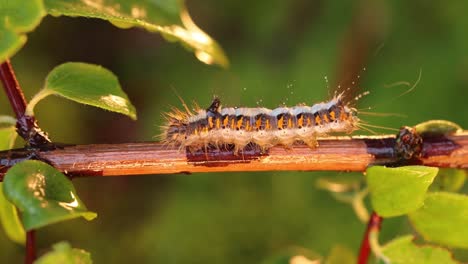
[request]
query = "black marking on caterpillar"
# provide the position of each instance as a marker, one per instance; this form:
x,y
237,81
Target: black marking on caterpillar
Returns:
x,y
222,127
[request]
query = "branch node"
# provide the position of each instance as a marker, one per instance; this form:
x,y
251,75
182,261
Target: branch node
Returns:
x,y
28,129
408,144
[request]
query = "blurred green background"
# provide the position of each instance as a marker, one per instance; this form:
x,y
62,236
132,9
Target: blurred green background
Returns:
x,y
280,52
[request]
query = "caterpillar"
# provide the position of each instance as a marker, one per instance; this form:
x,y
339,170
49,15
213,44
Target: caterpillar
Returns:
x,y
240,126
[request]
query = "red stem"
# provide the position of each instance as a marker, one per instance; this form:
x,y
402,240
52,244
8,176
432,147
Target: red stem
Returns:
x,y
26,126
12,89
375,222
30,247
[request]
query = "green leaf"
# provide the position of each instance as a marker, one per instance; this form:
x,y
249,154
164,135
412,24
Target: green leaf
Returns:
x,y
398,191
87,84
450,180
403,250
437,127
17,18
64,254
43,194
169,17
443,219
10,220
8,214
7,137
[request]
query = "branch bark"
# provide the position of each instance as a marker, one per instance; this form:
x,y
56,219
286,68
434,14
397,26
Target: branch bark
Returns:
x,y
337,154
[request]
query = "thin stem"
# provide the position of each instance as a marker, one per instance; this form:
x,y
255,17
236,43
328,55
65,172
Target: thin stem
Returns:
x,y
4,119
359,207
39,96
30,247
375,246
12,89
374,224
333,154
26,124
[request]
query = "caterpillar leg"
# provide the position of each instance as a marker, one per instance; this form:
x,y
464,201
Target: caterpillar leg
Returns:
x,y
311,142
239,147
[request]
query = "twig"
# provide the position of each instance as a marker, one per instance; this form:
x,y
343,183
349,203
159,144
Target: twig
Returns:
x,y
26,125
337,154
12,89
375,222
27,128
30,247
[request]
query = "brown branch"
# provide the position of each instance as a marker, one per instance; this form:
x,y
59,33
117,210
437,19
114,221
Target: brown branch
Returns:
x,y
375,222
337,154
26,126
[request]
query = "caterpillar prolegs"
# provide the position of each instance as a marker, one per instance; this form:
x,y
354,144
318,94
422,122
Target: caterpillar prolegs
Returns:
x,y
218,126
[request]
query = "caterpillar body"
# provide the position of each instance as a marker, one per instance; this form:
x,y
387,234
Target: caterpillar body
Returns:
x,y
217,126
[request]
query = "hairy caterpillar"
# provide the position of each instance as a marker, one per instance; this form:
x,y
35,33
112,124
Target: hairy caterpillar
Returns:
x,y
218,126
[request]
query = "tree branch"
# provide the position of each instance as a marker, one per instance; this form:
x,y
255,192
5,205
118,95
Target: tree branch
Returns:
x,y
335,153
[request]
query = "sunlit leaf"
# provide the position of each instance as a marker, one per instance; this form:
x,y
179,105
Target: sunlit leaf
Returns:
x,y
17,18
398,191
443,219
8,214
87,84
437,127
403,251
169,17
63,253
43,194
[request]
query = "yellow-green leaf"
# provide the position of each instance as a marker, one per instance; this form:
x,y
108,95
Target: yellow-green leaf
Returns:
x,y
450,180
8,214
16,19
10,220
403,251
437,127
63,253
87,84
443,219
398,191
168,17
